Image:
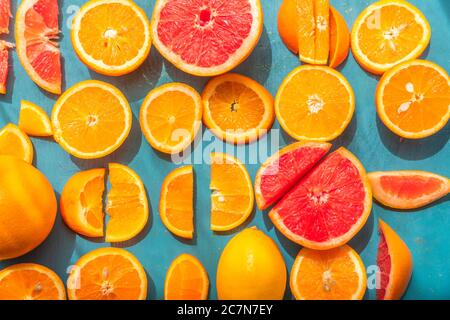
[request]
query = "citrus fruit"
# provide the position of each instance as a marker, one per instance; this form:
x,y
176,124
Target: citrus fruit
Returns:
x,y
387,33
287,24
408,189
107,274
15,142
335,274
251,267
322,31
306,29
81,202
186,279
34,121
232,192
5,15
4,64
176,203
127,205
237,109
328,206
413,99
280,172
395,262
314,103
28,207
84,127
36,34
206,37
111,37
339,39
30,281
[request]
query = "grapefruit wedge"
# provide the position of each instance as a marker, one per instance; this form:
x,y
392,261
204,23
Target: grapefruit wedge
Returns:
x,y
36,35
281,171
4,64
206,37
328,206
5,15
408,189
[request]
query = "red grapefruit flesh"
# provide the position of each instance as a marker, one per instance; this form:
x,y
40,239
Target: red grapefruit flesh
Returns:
x,y
4,65
5,14
279,173
206,37
36,33
328,206
408,189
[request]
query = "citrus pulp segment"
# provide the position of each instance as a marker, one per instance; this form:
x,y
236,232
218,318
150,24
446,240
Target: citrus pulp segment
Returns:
x,y
339,39
4,64
322,31
34,121
5,15
15,142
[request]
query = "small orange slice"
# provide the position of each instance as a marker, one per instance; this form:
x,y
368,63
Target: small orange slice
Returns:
x,y
322,31
15,142
413,99
176,203
34,121
237,108
314,103
306,29
30,281
336,274
107,274
186,279
339,38
171,117
232,195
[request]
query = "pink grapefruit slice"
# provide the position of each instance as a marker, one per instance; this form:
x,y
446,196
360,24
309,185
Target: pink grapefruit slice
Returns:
x,y
206,37
408,189
5,15
4,64
279,173
36,35
328,206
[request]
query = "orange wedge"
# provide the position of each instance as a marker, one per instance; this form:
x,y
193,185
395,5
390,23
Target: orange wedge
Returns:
x,y
232,195
171,116
387,33
336,274
413,99
186,279
30,281
15,142
322,31
176,203
34,121
107,274
306,29
84,127
236,108
339,39
314,103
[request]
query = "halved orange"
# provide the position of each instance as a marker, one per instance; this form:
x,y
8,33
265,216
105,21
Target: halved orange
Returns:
x,y
30,281
232,195
15,142
111,37
107,274
91,119
186,279
34,121
314,103
176,203
336,274
413,99
171,116
339,39
387,33
237,109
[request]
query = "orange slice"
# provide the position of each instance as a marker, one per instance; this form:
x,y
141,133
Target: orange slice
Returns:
x,y
84,127
339,38
322,31
237,108
387,33
111,37
413,99
15,142
107,274
171,117
306,29
127,205
176,203
34,121
186,279
336,274
30,281
232,192
314,103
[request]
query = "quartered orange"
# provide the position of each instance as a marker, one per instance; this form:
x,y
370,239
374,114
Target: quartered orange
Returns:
x,y
34,121
15,142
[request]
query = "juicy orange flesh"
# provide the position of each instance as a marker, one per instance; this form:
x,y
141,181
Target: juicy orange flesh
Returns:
x,y
92,202
11,144
306,28
31,121
417,98
322,31
91,120
112,33
179,202
186,282
410,187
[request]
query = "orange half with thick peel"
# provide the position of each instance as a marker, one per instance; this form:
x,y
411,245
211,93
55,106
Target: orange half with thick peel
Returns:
x,y
34,121
15,142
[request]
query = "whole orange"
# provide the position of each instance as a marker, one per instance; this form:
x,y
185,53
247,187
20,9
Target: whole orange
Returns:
x,y
27,207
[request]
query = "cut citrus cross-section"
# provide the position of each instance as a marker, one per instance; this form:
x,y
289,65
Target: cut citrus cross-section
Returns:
x,y
5,15
15,142
34,121
4,64
339,38
306,29
322,31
